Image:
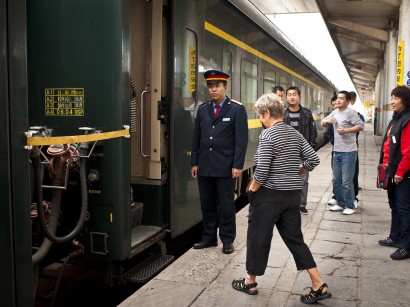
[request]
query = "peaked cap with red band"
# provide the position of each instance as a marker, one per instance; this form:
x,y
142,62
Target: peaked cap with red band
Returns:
x,y
215,76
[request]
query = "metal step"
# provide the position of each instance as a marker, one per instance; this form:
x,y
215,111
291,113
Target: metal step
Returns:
x,y
145,270
142,233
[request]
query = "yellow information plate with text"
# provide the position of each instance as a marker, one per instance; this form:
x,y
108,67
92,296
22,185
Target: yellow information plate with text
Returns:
x,y
64,101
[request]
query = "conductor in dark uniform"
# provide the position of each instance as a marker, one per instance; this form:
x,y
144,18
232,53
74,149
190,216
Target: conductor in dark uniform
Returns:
x,y
218,155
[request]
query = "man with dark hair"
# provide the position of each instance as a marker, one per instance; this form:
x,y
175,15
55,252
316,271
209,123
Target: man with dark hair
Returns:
x,y
346,123
280,91
218,155
301,119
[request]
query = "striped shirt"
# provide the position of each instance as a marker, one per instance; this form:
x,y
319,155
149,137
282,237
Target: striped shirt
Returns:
x,y
294,119
277,163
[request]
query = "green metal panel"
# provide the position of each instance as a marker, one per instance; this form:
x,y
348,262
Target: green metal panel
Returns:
x,y
153,197
80,48
7,282
15,235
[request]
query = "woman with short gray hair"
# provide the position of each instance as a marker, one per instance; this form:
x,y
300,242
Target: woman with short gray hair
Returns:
x,y
274,196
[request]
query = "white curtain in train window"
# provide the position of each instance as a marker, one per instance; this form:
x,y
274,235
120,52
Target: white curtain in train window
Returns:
x,y
249,83
269,81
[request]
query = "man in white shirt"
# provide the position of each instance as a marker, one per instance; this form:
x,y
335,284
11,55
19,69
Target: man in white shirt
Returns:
x,y
346,123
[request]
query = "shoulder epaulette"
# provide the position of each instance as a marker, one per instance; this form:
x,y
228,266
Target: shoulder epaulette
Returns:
x,y
204,103
237,102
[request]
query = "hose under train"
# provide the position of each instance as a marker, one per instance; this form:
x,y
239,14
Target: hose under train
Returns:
x,y
50,229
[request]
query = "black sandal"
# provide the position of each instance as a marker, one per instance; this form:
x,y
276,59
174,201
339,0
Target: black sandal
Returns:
x,y
315,296
239,284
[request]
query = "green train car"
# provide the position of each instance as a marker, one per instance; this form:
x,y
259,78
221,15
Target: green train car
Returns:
x,y
113,87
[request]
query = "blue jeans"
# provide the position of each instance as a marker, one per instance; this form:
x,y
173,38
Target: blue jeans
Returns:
x,y
344,164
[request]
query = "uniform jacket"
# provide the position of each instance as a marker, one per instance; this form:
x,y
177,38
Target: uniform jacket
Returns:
x,y
397,125
220,143
307,125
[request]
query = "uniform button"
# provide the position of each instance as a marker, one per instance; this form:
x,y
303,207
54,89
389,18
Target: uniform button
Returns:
x,y
210,149
213,127
211,137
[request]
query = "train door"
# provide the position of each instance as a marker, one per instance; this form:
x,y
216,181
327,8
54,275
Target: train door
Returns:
x,y
187,94
149,60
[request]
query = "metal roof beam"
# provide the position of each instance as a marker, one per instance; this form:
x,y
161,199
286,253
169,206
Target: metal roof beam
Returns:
x,y
361,69
362,86
359,78
368,82
361,64
364,75
377,34
395,3
366,42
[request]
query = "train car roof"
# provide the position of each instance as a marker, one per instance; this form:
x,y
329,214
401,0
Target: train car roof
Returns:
x,y
266,25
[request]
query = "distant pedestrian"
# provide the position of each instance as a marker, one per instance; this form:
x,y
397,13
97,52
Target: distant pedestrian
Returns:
x,y
274,196
218,155
346,123
329,136
280,91
301,119
331,139
395,152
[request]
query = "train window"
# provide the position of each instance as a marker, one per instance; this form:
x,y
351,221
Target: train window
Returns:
x,y
227,67
189,74
310,98
316,99
249,84
269,81
284,82
303,95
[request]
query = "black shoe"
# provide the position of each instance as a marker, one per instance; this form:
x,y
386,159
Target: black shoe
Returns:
x,y
387,242
400,254
204,244
228,249
303,210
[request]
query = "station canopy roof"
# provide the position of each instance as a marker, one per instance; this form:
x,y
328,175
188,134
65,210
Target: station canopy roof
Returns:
x,y
359,29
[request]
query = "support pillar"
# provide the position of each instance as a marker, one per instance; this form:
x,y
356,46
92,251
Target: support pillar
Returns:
x,y
404,36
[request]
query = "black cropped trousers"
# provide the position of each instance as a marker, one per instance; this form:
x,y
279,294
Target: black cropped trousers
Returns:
x,y
269,208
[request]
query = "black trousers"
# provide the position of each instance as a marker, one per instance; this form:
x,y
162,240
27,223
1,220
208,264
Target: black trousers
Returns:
x,y
399,202
356,177
267,209
218,208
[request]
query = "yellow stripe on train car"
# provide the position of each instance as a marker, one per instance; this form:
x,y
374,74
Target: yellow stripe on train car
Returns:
x,y
254,123
222,34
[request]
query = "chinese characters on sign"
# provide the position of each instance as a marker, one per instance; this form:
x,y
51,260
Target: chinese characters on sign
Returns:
x,y
192,68
400,63
64,101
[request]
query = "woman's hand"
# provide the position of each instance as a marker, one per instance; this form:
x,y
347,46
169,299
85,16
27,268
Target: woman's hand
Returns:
x,y
397,179
302,170
254,186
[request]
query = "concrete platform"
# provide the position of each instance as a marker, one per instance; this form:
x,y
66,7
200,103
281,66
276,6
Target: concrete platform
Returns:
x,y
358,271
